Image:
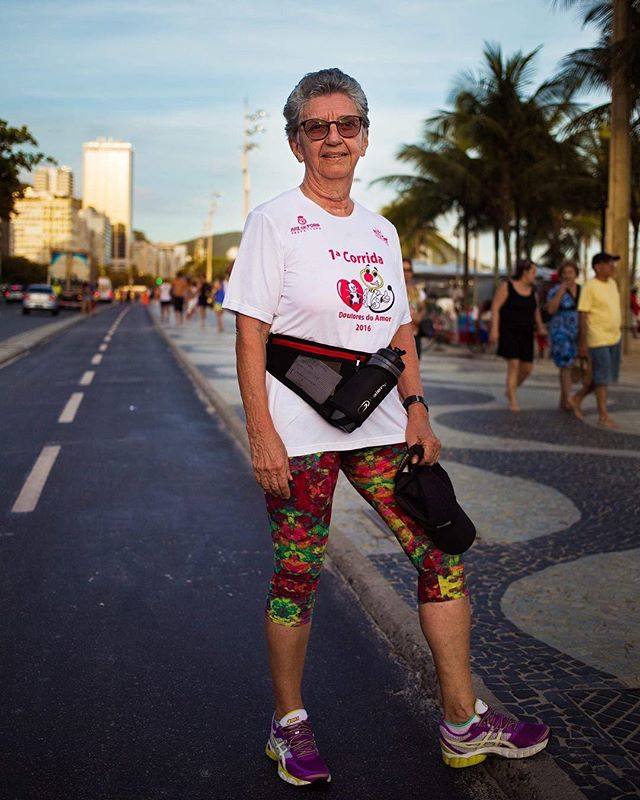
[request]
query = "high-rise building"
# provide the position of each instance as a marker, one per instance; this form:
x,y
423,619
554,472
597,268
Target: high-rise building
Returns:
x,y
95,234
42,222
107,182
57,181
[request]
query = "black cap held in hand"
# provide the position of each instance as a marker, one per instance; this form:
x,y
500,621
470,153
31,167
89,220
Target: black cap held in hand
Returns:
x,y
426,494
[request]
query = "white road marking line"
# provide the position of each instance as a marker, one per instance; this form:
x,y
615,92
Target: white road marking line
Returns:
x,y
107,338
33,486
96,359
103,347
70,410
86,379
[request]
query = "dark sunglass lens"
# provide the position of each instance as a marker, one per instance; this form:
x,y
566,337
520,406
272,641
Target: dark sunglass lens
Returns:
x,y
316,128
348,126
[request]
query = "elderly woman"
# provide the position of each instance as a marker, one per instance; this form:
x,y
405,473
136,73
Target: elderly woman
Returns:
x,y
317,266
562,307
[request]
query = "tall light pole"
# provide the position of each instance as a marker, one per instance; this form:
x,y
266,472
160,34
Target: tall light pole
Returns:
x,y
618,211
213,206
251,126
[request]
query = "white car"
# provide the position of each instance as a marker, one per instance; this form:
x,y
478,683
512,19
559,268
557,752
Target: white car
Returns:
x,y
40,296
104,291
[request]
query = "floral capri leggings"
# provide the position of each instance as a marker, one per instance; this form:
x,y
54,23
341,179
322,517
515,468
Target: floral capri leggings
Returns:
x,y
300,528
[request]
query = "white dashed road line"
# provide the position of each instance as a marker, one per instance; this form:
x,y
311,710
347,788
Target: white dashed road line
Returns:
x,y
96,359
33,486
103,347
86,379
70,410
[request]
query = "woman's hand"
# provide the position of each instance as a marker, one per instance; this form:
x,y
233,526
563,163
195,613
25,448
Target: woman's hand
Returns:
x,y
271,463
419,431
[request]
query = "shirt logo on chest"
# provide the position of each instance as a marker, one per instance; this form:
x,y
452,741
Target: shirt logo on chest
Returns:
x,y
303,226
369,291
381,236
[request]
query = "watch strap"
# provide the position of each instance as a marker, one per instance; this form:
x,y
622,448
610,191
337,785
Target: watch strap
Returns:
x,y
414,398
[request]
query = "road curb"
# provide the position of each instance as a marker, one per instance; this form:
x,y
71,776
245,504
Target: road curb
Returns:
x,y
20,344
527,779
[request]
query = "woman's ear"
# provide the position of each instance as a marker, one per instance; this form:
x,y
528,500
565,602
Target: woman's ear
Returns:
x,y
365,143
294,144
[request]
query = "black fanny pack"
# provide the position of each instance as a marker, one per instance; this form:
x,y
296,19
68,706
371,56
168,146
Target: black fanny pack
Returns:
x,y
343,386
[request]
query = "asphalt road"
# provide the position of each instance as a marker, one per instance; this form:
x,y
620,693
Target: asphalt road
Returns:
x,y
132,655
13,321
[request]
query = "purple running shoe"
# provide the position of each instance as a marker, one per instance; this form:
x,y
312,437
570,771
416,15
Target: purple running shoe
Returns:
x,y
293,746
491,732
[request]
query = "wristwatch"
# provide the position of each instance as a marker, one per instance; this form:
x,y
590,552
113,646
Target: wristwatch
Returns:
x,y
414,398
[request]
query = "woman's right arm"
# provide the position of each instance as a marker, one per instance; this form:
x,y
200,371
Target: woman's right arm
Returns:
x,y
499,300
268,453
554,304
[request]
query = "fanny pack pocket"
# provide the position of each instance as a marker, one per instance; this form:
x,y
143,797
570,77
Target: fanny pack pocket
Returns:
x,y
343,386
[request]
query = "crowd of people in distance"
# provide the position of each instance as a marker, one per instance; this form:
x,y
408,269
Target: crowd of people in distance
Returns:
x,y
580,325
190,299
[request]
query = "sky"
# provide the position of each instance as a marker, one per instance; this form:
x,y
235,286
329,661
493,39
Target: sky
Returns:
x,y
171,77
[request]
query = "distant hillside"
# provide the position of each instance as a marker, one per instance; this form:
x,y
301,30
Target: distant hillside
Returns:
x,y
221,243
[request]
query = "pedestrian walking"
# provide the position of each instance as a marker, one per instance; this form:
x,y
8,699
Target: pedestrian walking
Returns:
x,y
191,298
514,318
86,295
165,300
635,313
562,308
600,322
318,272
417,302
204,298
179,287
218,300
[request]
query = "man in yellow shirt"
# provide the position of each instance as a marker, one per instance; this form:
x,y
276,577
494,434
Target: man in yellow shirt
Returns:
x,y
600,321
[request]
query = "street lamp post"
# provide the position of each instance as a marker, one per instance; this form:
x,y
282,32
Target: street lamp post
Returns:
x,y
251,127
213,206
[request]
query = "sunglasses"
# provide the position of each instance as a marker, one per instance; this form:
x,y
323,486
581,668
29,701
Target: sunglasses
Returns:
x,y
318,129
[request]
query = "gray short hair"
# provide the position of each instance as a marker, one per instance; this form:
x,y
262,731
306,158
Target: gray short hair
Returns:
x,y
317,84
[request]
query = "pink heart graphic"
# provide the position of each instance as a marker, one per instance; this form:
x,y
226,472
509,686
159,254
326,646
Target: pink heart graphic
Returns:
x,y
351,293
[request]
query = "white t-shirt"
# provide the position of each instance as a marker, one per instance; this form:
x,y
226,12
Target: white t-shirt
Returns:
x,y
165,292
333,280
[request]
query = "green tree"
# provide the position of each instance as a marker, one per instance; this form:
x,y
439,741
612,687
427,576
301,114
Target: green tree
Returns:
x,y
18,154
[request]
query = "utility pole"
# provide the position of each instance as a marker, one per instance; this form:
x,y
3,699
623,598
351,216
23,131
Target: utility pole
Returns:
x,y
617,234
251,126
213,206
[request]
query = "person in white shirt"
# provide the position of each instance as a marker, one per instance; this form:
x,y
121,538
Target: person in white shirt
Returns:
x,y
316,265
165,300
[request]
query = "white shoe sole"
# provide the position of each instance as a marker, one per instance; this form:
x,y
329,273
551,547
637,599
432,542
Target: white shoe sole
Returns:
x,y
456,760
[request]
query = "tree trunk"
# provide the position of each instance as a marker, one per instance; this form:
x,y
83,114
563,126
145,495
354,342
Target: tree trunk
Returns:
x,y
618,210
465,273
506,236
518,234
603,223
634,252
496,257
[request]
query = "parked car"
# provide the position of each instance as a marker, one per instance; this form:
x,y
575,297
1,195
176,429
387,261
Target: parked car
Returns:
x,y
14,293
40,296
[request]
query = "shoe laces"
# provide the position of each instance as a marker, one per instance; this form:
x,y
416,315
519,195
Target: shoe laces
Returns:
x,y
300,739
499,722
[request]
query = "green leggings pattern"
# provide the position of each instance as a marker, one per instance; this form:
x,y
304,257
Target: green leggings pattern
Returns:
x,y
300,528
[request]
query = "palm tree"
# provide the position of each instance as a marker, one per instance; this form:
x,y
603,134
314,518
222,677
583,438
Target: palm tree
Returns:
x,y
591,67
512,132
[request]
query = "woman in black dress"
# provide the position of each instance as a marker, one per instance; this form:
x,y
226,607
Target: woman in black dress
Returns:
x,y
514,317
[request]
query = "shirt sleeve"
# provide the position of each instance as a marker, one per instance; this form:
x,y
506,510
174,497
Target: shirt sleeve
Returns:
x,y
585,302
255,286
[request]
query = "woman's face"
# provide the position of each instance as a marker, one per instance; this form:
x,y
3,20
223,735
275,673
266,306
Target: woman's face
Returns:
x,y
568,275
529,275
335,157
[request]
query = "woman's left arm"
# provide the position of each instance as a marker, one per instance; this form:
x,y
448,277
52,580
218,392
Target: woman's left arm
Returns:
x,y
418,430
